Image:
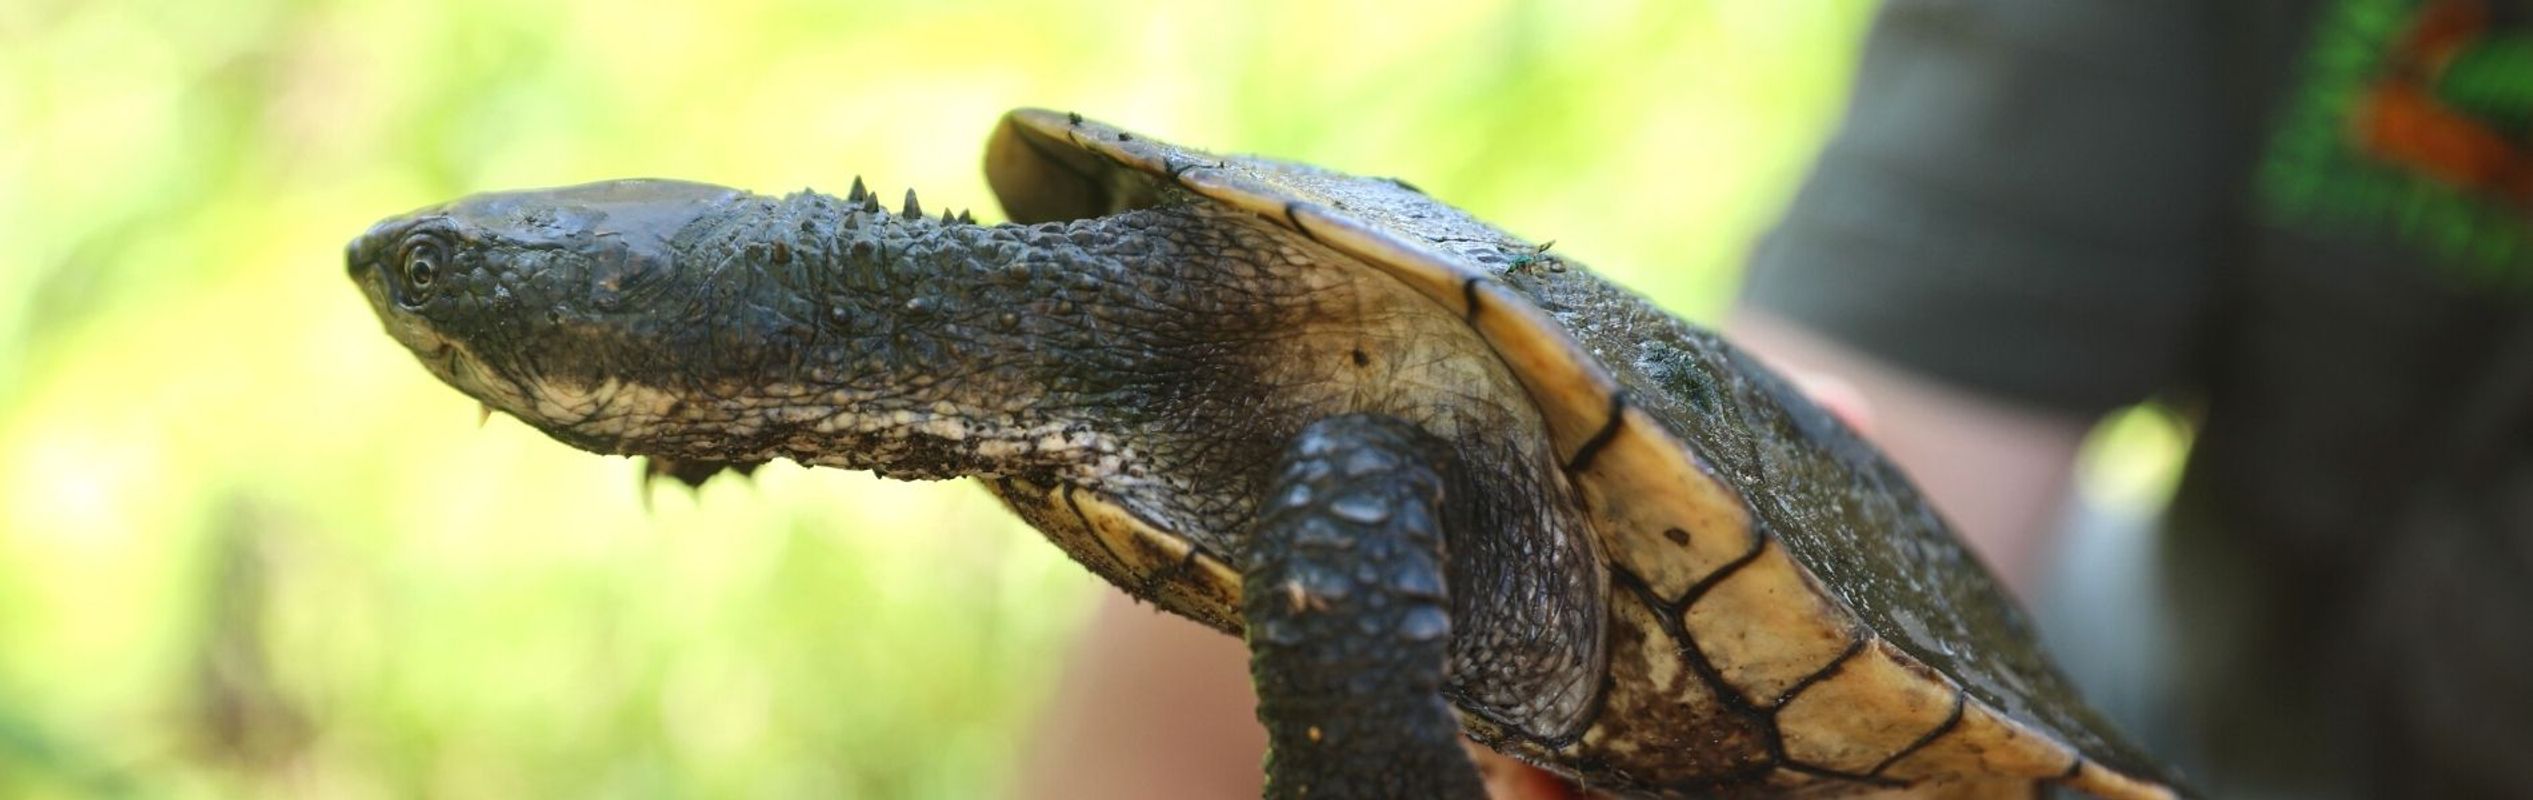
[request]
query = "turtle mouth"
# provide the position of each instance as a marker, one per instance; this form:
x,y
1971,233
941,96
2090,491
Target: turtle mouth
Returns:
x,y
454,364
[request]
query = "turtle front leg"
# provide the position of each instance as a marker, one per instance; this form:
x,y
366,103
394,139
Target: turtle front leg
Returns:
x,y
1349,620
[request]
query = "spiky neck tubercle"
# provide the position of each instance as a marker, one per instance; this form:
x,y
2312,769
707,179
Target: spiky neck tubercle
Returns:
x,y
833,332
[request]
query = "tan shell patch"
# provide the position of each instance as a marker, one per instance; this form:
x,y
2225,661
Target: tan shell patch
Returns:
x,y
1981,754
1766,627
1958,790
1656,711
1675,538
1984,743
1152,564
2091,777
1872,708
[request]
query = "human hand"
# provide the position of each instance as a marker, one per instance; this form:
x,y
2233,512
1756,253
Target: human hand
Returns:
x,y
1510,779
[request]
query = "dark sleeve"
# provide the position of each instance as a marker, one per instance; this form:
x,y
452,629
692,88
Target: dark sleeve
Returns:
x,y
2022,200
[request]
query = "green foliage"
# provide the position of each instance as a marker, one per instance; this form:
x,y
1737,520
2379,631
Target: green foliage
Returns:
x,y
247,548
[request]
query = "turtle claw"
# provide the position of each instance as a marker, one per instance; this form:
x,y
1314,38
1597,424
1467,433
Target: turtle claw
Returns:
x,y
483,414
693,473
653,469
913,211
858,193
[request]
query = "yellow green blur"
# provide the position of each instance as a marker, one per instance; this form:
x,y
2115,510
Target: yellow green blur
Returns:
x,y
248,548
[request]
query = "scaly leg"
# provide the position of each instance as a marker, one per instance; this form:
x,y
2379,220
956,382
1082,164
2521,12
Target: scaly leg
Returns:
x,y
1349,619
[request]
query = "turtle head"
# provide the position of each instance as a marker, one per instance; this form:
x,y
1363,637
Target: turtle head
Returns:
x,y
570,308
704,324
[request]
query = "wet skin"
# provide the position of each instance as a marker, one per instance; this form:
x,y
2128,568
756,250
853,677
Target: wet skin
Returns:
x,y
1206,402
1163,362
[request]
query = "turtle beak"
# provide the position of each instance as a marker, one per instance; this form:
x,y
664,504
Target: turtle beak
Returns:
x,y
361,256
355,256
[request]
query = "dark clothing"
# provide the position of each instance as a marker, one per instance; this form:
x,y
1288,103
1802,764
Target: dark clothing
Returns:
x,y
2308,224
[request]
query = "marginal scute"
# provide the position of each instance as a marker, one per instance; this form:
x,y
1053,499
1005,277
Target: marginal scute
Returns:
x,y
1710,516
2092,777
1159,567
1957,790
1765,628
1874,704
1983,743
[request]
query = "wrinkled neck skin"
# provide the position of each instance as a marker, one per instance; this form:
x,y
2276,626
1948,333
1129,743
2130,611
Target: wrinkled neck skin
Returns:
x,y
824,332
1159,359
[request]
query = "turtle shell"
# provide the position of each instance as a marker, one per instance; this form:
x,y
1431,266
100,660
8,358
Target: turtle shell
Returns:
x,y
1766,565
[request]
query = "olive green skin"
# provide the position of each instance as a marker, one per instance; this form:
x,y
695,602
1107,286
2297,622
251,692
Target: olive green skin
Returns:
x,y
1125,365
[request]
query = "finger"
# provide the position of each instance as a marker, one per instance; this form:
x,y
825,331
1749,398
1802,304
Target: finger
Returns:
x,y
1510,779
1840,398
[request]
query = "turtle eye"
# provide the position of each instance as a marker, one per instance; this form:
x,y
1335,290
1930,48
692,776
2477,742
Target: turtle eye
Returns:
x,y
424,258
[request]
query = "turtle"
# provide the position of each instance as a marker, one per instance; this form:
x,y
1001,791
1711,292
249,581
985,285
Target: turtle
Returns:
x,y
1443,493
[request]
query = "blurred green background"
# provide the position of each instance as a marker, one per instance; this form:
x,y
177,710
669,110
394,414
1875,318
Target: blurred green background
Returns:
x,y
249,548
